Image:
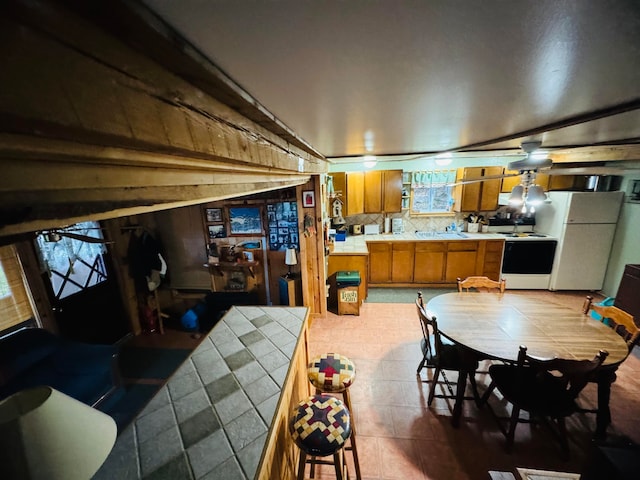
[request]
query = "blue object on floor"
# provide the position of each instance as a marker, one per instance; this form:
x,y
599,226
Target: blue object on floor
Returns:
x,y
607,302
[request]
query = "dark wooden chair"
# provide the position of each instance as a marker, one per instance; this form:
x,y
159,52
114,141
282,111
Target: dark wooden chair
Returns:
x,y
441,355
481,284
545,388
624,325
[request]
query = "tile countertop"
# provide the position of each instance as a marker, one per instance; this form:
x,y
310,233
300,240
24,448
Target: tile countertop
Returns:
x,y
211,419
357,244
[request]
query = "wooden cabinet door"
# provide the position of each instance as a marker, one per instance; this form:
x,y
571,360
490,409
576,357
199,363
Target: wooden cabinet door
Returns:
x,y
373,191
490,189
392,191
379,262
471,191
541,179
492,262
562,182
402,261
355,193
429,260
461,260
480,196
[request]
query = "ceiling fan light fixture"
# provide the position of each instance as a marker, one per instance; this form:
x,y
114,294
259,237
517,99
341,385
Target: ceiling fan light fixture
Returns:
x,y
517,195
444,159
535,195
369,161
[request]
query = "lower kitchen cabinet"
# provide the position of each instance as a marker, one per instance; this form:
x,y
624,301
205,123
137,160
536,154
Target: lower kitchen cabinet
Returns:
x,y
461,260
402,262
432,262
492,263
379,262
429,262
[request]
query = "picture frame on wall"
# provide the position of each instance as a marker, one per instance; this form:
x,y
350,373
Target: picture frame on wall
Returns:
x,y
245,221
308,199
214,215
217,231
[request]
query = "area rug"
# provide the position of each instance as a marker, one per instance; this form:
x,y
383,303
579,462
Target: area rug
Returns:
x,y
404,295
150,363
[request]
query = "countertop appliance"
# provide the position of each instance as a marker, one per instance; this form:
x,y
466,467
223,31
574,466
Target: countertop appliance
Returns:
x,y
356,229
372,229
397,225
584,224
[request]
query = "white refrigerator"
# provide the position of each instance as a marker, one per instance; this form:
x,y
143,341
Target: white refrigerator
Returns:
x,y
584,224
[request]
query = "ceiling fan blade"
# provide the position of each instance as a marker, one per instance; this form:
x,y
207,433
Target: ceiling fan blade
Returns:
x,y
592,171
82,238
483,179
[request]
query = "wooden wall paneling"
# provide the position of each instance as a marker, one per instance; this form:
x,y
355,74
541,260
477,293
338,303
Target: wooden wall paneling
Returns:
x,y
312,261
37,288
280,456
107,103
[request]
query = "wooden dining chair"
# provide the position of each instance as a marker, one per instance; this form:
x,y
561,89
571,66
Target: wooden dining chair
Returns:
x,y
545,388
481,284
441,355
620,321
624,325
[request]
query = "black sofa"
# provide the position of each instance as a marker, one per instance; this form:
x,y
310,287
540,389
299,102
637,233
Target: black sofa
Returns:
x,y
34,356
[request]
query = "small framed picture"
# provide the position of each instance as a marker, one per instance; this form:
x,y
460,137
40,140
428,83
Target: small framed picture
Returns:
x,y
248,256
308,199
217,231
214,214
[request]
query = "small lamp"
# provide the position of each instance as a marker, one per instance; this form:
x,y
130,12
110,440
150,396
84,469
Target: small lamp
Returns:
x,y
290,259
49,435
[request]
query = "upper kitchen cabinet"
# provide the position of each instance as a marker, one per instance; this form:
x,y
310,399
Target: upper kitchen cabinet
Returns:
x,y
546,181
350,188
480,196
377,191
508,183
392,191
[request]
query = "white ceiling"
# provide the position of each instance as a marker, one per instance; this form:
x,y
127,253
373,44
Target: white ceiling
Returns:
x,y
404,77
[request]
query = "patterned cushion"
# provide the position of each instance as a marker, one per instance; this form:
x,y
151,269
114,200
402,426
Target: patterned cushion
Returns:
x,y
320,425
331,372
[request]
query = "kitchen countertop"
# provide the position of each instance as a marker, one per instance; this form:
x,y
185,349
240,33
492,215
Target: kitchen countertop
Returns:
x,y
357,244
213,416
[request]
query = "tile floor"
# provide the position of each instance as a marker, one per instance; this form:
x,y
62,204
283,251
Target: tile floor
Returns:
x,y
399,437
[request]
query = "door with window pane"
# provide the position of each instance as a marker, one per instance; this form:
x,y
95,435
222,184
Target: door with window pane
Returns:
x,y
83,291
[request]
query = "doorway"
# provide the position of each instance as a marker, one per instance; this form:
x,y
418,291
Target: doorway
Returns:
x,y
82,284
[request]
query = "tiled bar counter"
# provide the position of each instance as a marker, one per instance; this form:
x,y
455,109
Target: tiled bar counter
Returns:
x,y
224,413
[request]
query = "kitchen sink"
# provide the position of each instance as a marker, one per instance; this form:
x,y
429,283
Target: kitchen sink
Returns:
x,y
441,235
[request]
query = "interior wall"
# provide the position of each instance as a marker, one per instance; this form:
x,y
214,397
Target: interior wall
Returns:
x,y
625,243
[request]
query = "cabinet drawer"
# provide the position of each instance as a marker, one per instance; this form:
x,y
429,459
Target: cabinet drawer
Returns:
x,y
462,246
431,247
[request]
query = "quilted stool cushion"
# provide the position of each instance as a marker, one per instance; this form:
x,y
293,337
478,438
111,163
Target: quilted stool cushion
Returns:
x,y
320,425
331,372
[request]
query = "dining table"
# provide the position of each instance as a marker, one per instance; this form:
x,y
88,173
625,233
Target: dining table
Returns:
x,y
494,325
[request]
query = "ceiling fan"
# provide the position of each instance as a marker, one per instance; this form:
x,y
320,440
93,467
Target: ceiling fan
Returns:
x,y
536,161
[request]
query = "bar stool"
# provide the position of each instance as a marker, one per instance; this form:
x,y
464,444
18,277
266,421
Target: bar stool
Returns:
x,y
320,427
334,373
